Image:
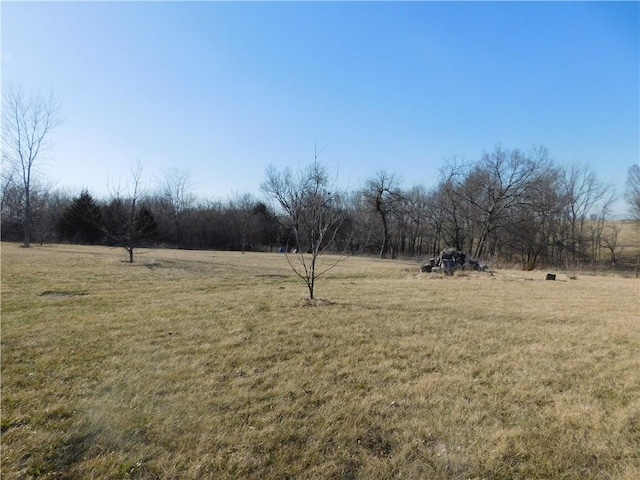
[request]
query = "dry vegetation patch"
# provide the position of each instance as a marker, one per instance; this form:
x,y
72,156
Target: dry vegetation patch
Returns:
x,y
213,365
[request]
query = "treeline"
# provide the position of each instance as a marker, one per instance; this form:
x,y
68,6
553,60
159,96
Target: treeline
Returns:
x,y
168,217
509,206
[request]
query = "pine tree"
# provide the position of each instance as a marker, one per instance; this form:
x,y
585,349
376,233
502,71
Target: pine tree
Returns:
x,y
82,221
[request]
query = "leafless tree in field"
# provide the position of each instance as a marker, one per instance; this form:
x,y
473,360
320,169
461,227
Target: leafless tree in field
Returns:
x,y
314,209
127,220
27,125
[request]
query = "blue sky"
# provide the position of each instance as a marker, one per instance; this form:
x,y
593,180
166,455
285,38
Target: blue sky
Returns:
x,y
223,89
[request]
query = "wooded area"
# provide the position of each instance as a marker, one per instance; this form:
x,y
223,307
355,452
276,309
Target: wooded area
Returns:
x,y
512,205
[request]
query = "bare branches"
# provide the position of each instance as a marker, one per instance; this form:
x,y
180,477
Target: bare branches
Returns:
x,y
27,123
243,219
632,192
175,186
383,194
315,212
128,221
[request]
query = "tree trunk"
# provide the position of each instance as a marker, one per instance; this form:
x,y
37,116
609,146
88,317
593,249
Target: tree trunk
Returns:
x,y
27,218
385,235
312,276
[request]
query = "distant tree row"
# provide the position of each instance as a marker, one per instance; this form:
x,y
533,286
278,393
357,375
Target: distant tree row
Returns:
x,y
132,219
512,205
509,204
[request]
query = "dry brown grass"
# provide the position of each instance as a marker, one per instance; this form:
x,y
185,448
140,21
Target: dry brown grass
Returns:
x,y
212,365
628,242
629,235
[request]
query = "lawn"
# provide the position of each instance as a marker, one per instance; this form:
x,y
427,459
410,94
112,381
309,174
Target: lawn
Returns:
x,y
206,365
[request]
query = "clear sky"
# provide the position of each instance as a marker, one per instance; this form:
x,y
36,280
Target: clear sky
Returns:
x,y
223,89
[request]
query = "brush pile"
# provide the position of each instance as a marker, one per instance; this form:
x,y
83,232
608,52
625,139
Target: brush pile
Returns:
x,y
449,260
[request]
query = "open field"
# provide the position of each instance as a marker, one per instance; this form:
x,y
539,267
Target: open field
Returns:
x,y
628,241
211,365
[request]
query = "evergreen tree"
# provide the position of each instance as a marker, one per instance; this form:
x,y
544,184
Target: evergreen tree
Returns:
x,y
146,227
81,221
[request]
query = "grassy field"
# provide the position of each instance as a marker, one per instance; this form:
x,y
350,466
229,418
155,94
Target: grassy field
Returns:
x,y
190,365
628,249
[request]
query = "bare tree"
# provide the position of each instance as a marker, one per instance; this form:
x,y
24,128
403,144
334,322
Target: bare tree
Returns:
x,y
533,221
244,221
12,207
632,192
363,222
47,205
609,239
501,180
436,215
478,205
383,194
453,205
27,124
632,196
583,193
416,209
128,222
8,179
177,200
315,214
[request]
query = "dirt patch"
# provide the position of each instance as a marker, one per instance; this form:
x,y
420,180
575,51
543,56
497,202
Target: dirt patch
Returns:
x,y
316,302
62,293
